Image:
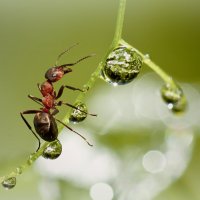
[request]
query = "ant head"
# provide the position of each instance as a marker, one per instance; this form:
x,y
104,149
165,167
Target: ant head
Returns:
x,y
54,74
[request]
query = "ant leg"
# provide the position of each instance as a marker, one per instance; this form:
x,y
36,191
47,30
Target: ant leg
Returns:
x,y
29,126
37,100
74,131
74,107
39,87
71,64
60,92
65,51
55,111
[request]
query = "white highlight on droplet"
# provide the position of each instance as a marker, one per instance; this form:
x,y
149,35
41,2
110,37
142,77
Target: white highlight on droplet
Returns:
x,y
115,84
101,191
154,161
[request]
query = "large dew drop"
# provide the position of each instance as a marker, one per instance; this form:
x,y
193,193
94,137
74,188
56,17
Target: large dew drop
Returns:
x,y
174,97
53,150
122,66
9,183
79,114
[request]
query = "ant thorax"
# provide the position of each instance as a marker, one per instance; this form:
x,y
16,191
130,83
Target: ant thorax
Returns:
x,y
48,101
47,88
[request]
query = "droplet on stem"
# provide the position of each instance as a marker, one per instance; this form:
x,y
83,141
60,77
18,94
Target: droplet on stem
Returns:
x,y
174,97
31,159
79,114
19,170
122,66
9,183
53,150
147,56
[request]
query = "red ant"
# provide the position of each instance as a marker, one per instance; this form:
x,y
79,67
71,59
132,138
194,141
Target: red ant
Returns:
x,y
44,120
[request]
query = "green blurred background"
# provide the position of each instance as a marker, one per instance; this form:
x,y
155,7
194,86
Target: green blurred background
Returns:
x,y
33,33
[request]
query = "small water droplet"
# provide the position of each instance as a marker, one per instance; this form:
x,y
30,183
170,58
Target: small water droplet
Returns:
x,y
147,56
122,66
78,115
19,170
174,97
9,183
31,159
53,150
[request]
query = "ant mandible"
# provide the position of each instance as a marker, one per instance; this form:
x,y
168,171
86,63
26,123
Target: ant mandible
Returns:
x,y
44,120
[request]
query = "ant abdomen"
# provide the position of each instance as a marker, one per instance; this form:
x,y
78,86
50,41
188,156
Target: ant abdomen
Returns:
x,y
46,127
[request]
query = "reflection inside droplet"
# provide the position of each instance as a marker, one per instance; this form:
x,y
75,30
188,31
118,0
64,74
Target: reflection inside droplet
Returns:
x,y
154,161
122,66
53,150
79,114
101,191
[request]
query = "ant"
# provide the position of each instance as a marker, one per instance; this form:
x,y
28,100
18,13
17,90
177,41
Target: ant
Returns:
x,y
44,120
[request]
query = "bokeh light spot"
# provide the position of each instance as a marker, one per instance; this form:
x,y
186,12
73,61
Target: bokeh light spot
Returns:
x,y
101,191
154,161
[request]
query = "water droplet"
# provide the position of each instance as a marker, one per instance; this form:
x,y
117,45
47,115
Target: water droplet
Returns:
x,y
174,97
19,170
9,183
122,66
53,150
77,115
147,56
31,159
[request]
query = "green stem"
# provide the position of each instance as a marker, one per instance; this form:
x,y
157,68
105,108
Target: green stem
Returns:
x,y
119,24
146,59
158,70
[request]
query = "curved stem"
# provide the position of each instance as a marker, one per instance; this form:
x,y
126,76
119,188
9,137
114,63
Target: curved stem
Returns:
x,y
163,75
158,70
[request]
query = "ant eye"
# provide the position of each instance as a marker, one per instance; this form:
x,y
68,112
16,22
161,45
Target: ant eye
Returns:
x,y
54,75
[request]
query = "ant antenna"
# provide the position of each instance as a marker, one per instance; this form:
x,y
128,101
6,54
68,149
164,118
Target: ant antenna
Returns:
x,y
72,64
65,51
93,54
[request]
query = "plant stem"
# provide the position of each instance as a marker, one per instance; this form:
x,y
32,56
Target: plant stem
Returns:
x,y
119,24
146,59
